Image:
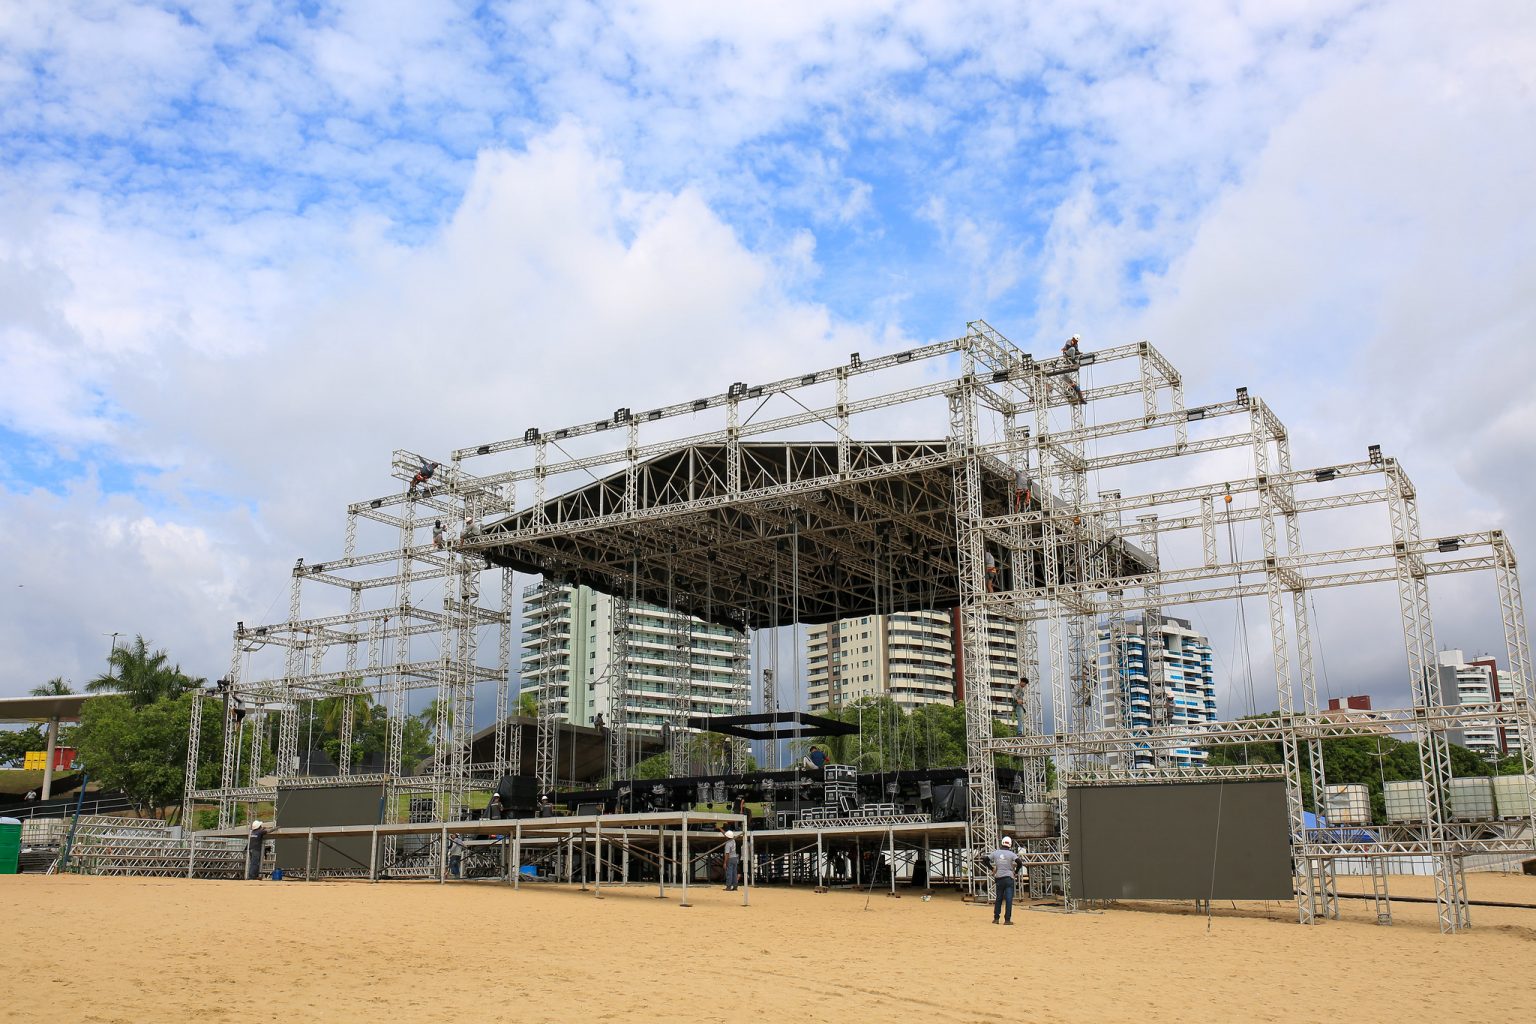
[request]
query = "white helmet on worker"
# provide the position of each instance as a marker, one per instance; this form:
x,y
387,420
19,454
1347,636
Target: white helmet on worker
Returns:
x,y
729,834
1007,840
255,824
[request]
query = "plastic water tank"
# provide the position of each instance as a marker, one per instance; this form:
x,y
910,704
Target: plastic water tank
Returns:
x,y
1471,799
1405,801
1347,804
1512,795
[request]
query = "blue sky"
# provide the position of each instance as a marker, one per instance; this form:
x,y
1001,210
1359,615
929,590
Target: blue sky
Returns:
x,y
246,249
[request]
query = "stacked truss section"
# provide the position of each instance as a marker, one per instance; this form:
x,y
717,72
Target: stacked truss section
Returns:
x,y
393,634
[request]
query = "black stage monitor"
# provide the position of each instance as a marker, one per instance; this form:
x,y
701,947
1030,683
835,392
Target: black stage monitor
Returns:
x,y
1180,841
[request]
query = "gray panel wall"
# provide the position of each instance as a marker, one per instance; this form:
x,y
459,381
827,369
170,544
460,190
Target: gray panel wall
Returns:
x,y
340,805
1205,840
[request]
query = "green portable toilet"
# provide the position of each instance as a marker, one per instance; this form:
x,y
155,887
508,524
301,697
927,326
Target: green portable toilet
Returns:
x,y
10,846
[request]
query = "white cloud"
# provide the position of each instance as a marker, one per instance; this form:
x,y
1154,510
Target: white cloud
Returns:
x,y
555,294
236,245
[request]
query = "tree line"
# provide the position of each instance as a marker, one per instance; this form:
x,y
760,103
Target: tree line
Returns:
x,y
133,736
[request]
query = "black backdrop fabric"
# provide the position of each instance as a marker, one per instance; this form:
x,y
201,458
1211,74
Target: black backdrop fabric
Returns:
x,y
1177,841
339,805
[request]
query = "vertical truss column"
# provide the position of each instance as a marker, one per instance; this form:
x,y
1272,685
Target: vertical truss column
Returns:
x,y
398,682
349,699
972,586
465,621
1518,653
618,690
1306,890
502,763
232,720
682,697
1434,749
1114,703
771,706
1325,897
547,735
741,681
194,742
1049,545
1208,531
1158,697
288,716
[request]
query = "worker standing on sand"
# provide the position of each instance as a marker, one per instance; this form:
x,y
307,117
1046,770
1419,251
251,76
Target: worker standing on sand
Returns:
x,y
253,850
732,861
1005,865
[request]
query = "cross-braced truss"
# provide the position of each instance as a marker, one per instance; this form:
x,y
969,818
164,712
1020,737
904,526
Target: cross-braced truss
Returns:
x,y
1029,502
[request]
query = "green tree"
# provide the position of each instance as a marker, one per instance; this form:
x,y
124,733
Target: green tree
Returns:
x,y
14,744
141,749
142,676
55,687
370,730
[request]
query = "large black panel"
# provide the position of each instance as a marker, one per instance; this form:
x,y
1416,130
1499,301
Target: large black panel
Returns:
x,y
340,805
1216,840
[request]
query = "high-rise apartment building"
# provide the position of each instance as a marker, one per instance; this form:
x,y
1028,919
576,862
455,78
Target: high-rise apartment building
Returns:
x,y
1188,689
568,640
1475,682
906,656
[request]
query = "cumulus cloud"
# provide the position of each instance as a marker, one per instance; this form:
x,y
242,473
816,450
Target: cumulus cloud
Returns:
x,y
554,294
249,251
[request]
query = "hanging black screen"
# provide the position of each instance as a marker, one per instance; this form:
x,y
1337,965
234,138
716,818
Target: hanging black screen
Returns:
x,y
1179,841
331,805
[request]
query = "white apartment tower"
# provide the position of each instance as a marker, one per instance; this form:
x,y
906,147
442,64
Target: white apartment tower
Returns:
x,y
1187,686
907,656
568,639
1475,682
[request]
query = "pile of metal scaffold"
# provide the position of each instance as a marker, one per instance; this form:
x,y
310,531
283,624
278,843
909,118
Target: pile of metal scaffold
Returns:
x,y
1036,497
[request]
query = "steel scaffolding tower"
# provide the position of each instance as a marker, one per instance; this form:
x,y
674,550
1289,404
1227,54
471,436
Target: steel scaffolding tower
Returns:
x,y
1034,501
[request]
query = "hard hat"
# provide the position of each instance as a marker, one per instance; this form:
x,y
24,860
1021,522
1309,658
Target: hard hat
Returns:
x,y
729,834
1074,338
1007,840
255,824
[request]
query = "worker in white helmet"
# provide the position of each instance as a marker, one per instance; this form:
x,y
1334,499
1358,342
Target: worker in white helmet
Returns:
x,y
255,845
1005,867
732,861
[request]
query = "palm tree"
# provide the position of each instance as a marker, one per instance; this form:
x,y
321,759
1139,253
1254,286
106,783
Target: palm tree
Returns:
x,y
143,677
55,687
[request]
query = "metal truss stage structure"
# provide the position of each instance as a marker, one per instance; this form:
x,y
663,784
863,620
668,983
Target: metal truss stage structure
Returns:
x,y
788,502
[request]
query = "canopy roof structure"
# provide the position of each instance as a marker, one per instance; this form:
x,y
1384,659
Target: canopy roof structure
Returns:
x,y
64,707
778,725
876,537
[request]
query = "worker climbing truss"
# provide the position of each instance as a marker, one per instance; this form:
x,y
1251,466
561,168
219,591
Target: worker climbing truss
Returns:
x,y
1038,500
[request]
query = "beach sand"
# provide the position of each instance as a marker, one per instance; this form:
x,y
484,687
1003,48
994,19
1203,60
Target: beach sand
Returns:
x,y
142,949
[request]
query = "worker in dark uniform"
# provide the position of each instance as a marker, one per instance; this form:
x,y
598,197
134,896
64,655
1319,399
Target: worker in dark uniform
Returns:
x,y
423,475
254,845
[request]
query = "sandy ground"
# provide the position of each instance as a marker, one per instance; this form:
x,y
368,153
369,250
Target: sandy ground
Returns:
x,y
124,949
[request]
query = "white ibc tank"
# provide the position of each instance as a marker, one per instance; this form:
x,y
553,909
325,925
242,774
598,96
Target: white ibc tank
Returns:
x,y
1033,821
1471,799
1347,804
1512,795
1405,801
